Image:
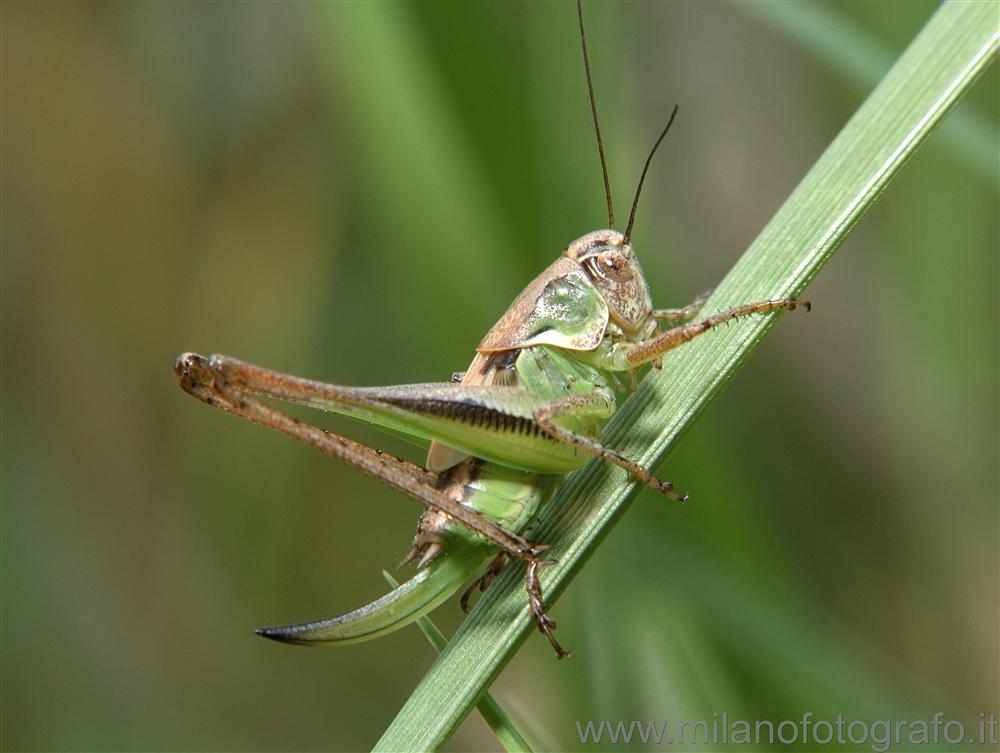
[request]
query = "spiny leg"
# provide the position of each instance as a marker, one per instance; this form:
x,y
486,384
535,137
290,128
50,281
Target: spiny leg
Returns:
x,y
682,315
208,380
545,623
532,586
332,444
492,571
629,356
546,414
678,316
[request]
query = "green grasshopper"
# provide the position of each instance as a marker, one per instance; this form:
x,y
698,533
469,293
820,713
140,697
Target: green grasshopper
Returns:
x,y
529,409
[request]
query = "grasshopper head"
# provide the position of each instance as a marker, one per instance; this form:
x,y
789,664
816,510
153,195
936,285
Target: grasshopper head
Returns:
x,y
611,265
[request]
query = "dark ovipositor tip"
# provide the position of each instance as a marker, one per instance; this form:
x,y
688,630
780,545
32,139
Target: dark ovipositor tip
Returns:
x,y
277,634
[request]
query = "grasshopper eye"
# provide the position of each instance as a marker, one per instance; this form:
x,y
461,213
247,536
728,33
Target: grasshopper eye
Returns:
x,y
613,261
610,265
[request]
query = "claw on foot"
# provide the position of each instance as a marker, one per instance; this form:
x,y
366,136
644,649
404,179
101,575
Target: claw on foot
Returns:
x,y
544,623
667,488
794,303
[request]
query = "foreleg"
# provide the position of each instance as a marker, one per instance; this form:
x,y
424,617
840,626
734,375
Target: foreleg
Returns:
x,y
630,355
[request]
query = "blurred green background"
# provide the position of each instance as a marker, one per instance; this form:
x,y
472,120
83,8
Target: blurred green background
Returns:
x,y
354,192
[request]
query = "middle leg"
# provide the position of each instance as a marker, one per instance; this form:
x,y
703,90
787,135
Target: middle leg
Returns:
x,y
589,403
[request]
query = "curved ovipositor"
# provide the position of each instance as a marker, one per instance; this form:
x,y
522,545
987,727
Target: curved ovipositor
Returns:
x,y
449,554
409,601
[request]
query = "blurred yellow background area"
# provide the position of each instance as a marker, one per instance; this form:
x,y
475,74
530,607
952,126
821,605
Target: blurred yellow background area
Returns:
x,y
354,192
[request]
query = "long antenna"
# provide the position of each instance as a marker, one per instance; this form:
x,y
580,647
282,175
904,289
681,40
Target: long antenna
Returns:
x,y
638,190
597,124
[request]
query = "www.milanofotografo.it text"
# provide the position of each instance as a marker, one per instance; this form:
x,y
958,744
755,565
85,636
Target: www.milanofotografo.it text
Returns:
x,y
881,735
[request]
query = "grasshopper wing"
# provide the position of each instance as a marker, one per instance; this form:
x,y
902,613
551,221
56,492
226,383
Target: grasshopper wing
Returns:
x,y
560,307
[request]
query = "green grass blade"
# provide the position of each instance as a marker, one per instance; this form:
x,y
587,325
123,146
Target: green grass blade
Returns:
x,y
493,714
944,60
